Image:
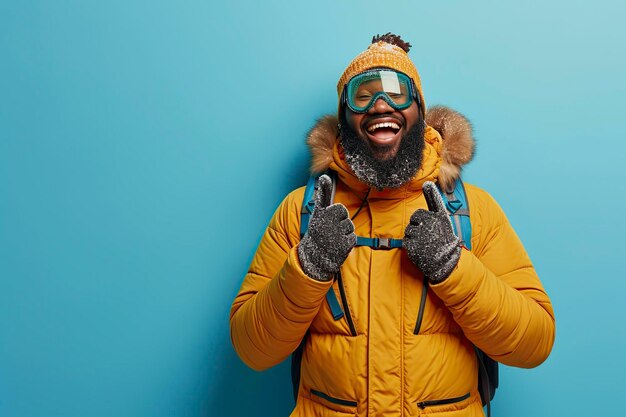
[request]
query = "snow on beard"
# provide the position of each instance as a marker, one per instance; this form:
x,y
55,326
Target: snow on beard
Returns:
x,y
391,173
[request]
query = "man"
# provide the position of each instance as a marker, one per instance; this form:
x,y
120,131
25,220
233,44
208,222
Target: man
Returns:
x,y
410,317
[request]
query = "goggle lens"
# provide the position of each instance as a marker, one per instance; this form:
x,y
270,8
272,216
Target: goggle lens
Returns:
x,y
364,89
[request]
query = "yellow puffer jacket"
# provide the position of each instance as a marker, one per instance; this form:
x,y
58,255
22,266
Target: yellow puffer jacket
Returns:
x,y
371,362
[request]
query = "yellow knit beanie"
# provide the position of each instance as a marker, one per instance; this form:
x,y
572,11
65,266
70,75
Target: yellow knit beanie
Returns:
x,y
382,54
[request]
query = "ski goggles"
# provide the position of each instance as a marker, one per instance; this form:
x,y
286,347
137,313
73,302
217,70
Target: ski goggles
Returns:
x,y
364,89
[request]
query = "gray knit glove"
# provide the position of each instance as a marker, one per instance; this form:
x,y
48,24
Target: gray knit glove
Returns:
x,y
330,235
429,238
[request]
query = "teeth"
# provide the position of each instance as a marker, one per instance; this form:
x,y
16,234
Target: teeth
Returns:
x,y
381,125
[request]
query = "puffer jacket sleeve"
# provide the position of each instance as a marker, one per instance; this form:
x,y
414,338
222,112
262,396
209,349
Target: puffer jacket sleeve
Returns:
x,y
277,300
494,293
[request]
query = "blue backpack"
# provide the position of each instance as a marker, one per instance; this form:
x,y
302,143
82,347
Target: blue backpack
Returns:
x,y
458,209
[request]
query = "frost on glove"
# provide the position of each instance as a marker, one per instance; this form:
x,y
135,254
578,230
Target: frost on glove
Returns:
x,y
330,235
429,238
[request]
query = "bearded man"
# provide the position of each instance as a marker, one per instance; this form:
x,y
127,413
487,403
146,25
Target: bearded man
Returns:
x,y
417,304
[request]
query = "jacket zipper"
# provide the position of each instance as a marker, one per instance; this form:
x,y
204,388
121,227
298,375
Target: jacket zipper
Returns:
x,y
344,302
420,314
424,404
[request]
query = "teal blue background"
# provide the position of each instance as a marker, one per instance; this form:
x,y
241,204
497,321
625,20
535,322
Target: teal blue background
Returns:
x,y
145,144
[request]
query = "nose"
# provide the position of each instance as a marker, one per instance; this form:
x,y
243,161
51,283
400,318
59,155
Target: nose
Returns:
x,y
380,106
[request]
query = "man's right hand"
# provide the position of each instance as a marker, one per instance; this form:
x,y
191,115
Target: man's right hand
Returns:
x,y
330,236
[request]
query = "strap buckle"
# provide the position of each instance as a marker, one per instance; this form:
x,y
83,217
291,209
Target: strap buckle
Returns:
x,y
382,243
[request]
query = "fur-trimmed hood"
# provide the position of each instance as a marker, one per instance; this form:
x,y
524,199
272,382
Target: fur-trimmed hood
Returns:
x,y
455,129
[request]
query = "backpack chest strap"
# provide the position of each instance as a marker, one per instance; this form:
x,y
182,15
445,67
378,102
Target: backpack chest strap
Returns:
x,y
376,243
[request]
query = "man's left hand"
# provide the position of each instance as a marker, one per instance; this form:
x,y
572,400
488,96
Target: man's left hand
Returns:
x,y
429,238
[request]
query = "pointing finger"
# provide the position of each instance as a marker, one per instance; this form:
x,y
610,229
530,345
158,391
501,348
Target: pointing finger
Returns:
x,y
433,198
323,193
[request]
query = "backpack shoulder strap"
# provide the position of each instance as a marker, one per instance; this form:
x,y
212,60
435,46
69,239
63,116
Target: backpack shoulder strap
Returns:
x,y
459,211
456,203
308,202
296,363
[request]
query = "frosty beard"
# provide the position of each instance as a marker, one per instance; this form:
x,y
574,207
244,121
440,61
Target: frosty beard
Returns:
x,y
389,173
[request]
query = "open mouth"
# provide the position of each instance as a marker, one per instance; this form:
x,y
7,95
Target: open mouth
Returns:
x,y
383,132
